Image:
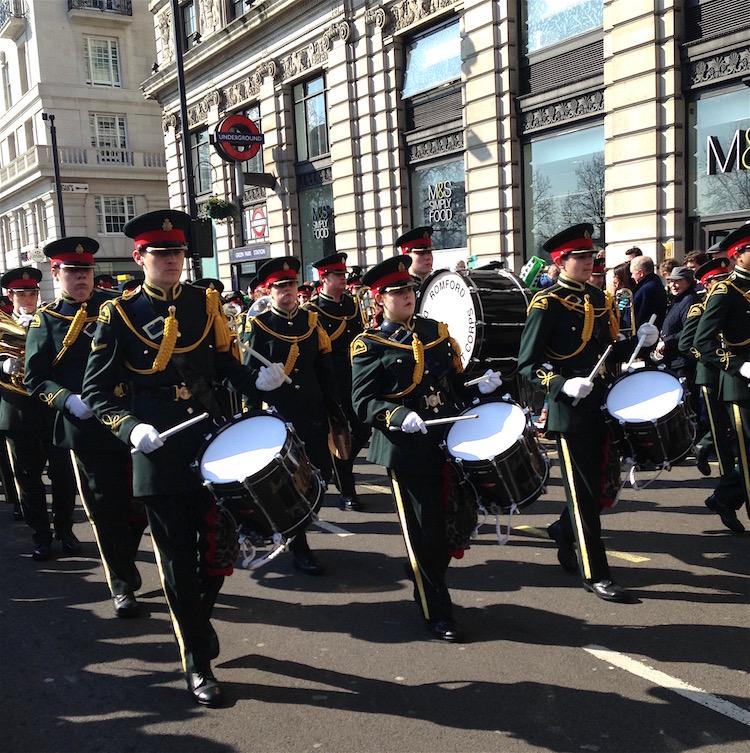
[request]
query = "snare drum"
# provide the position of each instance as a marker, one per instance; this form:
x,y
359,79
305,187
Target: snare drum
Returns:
x,y
654,426
485,310
499,455
258,469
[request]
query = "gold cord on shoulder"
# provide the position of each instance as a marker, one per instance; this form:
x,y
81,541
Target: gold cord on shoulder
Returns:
x,y
168,341
78,323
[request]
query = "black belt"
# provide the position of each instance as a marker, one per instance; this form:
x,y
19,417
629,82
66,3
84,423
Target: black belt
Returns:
x,y
174,392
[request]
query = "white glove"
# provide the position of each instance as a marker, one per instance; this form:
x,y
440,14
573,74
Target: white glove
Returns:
x,y
78,408
577,387
490,382
24,319
11,366
270,377
649,333
413,423
145,438
745,370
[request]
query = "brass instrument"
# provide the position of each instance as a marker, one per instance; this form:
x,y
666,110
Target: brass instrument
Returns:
x,y
12,345
367,307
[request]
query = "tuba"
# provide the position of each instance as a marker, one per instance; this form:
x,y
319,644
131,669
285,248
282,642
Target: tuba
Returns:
x,y
12,345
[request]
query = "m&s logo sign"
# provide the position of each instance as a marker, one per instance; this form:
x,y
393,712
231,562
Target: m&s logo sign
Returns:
x,y
737,157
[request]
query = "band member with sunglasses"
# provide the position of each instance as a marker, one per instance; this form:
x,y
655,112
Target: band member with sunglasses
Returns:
x,y
159,357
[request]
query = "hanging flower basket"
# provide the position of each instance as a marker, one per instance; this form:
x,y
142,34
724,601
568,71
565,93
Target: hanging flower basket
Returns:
x,y
219,209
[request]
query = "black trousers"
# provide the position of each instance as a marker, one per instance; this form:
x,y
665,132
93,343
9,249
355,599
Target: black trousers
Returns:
x,y
178,531
344,469
29,453
419,503
583,471
730,489
105,486
740,416
6,477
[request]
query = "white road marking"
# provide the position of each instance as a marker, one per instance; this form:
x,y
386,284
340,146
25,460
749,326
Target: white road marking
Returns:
x,y
671,683
377,488
627,556
331,528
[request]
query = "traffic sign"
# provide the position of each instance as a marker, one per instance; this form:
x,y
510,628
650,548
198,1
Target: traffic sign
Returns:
x,y
237,138
259,222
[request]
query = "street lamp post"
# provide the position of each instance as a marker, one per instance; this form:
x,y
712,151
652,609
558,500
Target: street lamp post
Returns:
x,y
187,157
48,116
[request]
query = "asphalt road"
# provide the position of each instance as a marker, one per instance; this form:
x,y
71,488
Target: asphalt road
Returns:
x,y
342,663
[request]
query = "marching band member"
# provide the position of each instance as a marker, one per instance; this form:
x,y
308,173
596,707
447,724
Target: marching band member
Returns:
x,y
105,282
57,349
722,342
289,335
158,357
305,292
340,316
27,426
568,328
418,244
403,370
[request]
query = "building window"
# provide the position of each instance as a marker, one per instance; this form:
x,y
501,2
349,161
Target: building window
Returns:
x,y
310,119
238,8
113,212
254,165
200,149
438,198
719,134
23,68
102,61
12,151
189,24
433,59
316,220
109,136
28,128
548,22
40,209
7,93
563,185
23,228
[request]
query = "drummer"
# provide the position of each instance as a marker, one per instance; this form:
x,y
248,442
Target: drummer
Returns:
x,y
569,326
418,244
403,371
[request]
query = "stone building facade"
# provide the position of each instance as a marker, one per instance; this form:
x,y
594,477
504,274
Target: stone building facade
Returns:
x,y
497,121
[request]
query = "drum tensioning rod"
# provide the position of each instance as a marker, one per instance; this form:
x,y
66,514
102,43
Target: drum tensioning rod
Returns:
x,y
439,421
177,428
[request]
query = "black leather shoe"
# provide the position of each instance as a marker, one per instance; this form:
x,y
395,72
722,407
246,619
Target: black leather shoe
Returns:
x,y
214,649
609,591
727,514
205,688
70,543
351,504
41,552
701,460
306,563
126,605
446,630
566,553
17,512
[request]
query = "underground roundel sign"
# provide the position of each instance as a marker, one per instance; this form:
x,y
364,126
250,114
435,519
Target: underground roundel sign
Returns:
x,y
237,138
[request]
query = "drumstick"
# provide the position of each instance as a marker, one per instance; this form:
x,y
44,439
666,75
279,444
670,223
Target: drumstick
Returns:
x,y
175,429
265,361
595,370
472,382
438,421
638,347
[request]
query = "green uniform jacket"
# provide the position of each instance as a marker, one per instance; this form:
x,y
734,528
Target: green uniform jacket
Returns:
x,y
705,375
561,340
124,387
57,349
722,341
392,376
300,343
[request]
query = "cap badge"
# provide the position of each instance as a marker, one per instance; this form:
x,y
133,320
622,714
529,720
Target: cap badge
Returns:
x,y
79,249
286,266
586,234
25,276
167,225
401,267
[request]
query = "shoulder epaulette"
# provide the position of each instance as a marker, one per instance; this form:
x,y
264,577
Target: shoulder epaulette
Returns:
x,y
539,301
357,346
695,310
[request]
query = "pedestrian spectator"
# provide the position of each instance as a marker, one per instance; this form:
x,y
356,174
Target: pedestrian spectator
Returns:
x,y
622,290
549,277
695,259
665,269
632,252
649,296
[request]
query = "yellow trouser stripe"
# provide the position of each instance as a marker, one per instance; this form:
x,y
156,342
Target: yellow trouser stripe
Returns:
x,y
712,424
576,511
175,623
743,450
409,549
79,483
15,476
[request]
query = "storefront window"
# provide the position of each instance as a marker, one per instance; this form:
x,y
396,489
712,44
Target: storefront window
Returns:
x,y
438,195
564,185
719,140
432,60
316,226
551,21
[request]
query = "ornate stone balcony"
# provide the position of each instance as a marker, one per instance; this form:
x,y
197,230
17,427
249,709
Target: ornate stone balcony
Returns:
x,y
12,18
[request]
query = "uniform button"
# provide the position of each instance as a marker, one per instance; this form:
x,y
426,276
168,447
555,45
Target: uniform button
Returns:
x,y
296,386
426,371
398,360
145,352
434,410
296,370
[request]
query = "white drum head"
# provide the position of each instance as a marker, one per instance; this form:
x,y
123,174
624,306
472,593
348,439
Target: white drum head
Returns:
x,y
243,449
644,396
499,426
447,298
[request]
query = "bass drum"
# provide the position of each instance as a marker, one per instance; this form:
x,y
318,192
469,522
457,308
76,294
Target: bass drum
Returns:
x,y
485,310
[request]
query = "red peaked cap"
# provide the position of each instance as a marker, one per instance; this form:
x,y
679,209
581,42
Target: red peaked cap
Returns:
x,y
332,263
573,240
278,269
21,278
162,229
714,268
736,241
390,274
415,241
75,251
